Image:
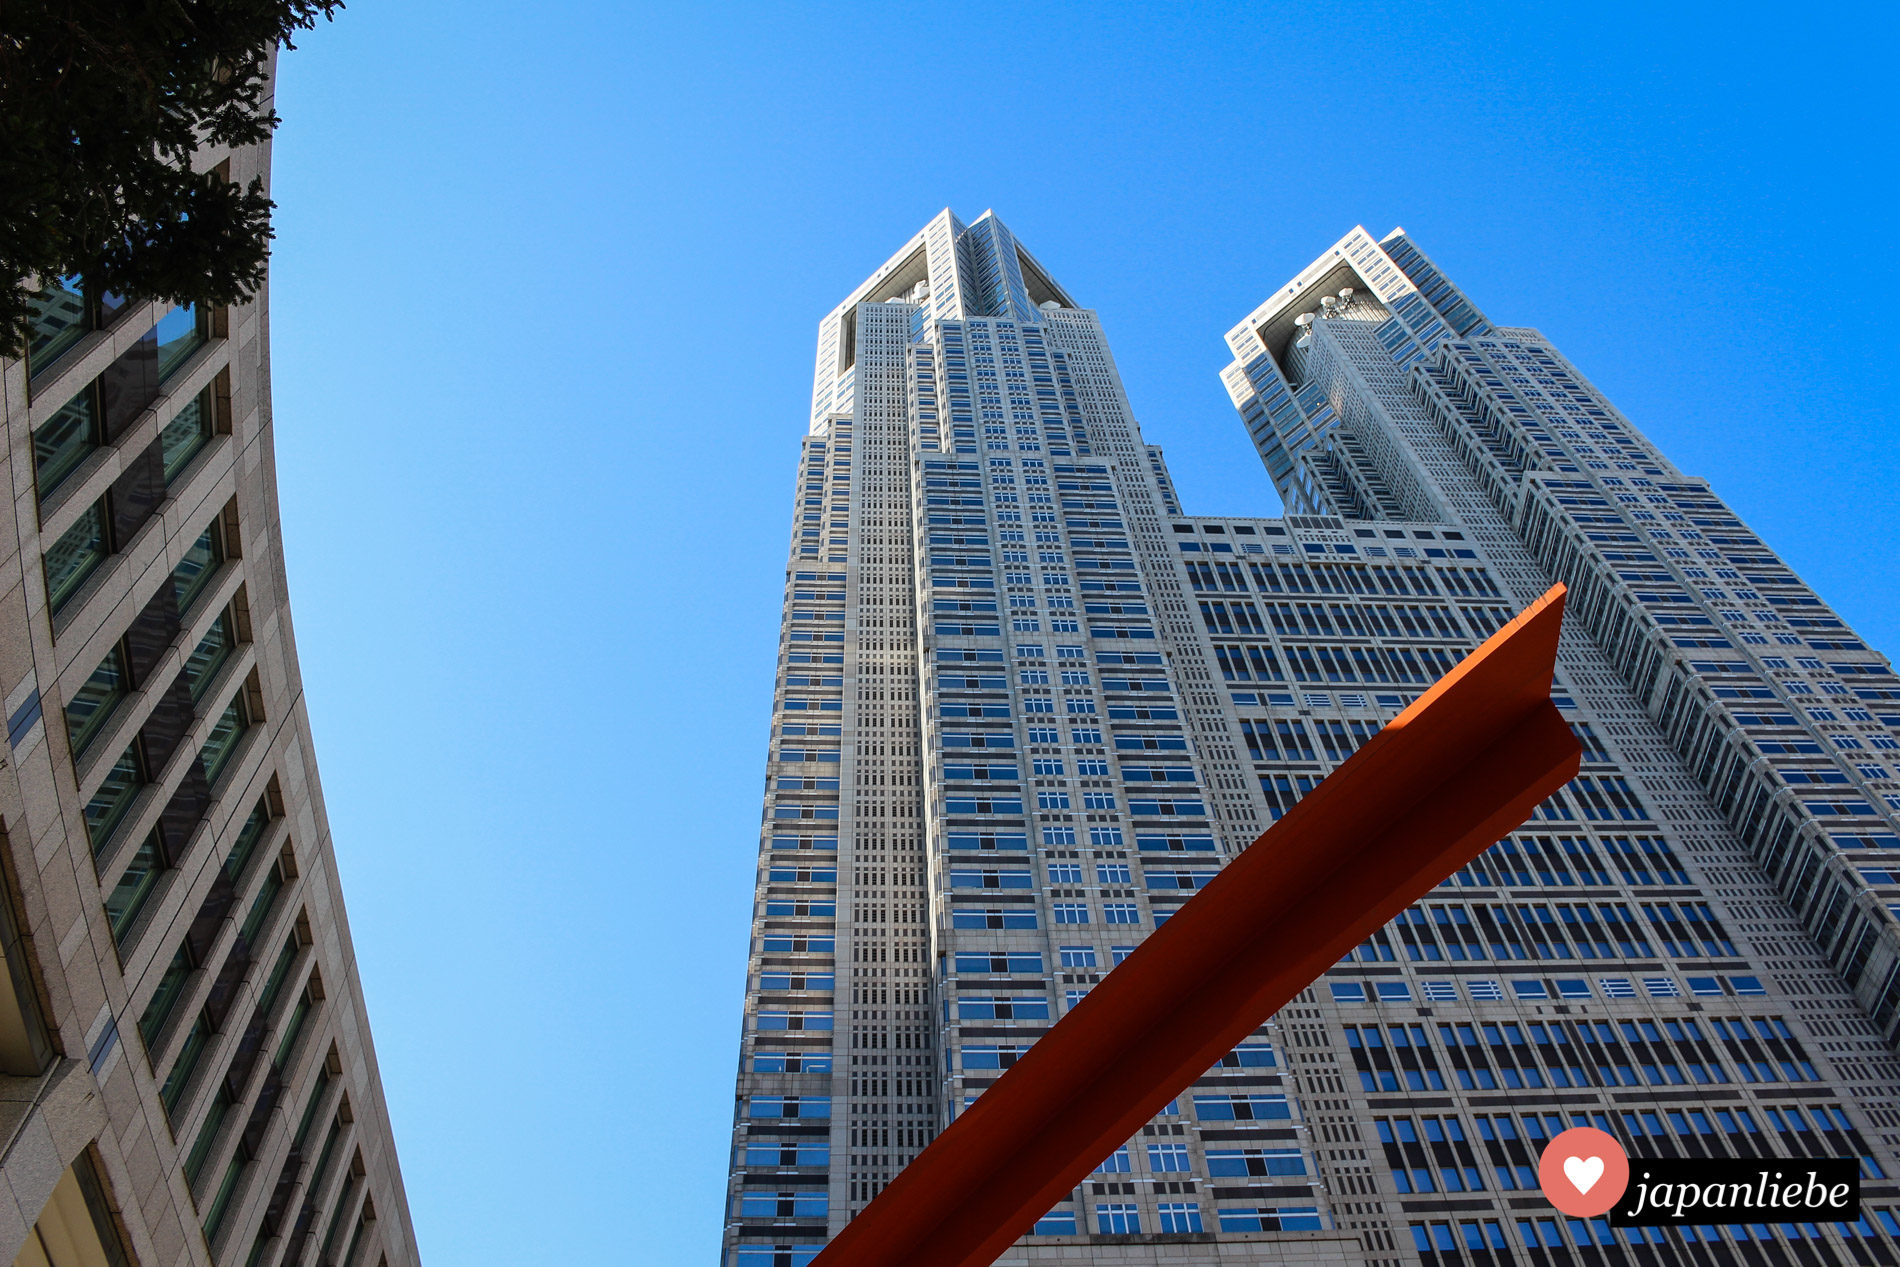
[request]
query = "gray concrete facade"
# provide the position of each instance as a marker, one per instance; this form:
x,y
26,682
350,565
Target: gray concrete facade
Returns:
x,y
186,1070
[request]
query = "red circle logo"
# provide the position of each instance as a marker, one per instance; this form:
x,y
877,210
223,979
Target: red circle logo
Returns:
x,y
1584,1172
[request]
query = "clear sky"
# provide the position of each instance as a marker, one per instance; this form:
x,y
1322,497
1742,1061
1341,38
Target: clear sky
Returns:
x,y
544,299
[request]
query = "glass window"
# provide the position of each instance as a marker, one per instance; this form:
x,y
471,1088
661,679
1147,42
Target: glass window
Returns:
x,y
227,1188
209,656
109,804
179,335
248,836
274,983
222,741
775,1256
71,559
60,319
293,1030
261,907
170,987
173,1088
134,889
197,567
1056,1223
62,442
187,432
93,702
62,314
315,1102
207,1136
108,308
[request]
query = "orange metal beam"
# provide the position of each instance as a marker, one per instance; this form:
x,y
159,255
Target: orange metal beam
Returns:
x,y
1460,768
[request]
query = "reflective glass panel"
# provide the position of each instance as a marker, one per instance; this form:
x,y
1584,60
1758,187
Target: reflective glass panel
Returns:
x,y
186,1061
222,741
170,987
134,889
187,432
178,338
94,701
59,321
252,832
71,559
62,442
197,567
114,797
208,656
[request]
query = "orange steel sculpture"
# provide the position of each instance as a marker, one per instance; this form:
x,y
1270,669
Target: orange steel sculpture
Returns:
x,y
1463,766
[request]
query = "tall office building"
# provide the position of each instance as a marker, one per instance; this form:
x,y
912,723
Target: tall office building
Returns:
x,y
1026,706
185,1061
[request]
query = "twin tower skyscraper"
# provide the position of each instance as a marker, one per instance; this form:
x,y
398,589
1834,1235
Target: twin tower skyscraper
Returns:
x,y
1027,705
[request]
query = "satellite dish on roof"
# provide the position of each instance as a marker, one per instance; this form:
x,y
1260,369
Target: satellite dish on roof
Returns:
x,y
1049,305
1345,295
1304,320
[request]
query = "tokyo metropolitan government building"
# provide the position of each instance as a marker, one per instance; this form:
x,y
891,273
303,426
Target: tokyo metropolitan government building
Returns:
x,y
1027,705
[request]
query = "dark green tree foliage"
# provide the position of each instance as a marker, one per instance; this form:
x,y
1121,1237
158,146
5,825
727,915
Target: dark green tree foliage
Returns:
x,y
101,107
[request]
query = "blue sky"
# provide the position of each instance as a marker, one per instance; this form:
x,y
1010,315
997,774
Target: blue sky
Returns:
x,y
544,298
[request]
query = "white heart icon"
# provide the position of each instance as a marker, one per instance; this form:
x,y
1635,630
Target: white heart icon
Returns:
x,y
1583,1172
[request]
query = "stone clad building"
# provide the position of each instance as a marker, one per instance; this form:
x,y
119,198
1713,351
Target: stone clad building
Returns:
x,y
186,1071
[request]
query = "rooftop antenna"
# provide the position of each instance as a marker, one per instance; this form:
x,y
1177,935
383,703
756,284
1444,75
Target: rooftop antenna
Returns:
x,y
1304,324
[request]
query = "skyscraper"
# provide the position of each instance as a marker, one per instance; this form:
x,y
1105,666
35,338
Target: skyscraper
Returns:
x,y
186,1060
1027,706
